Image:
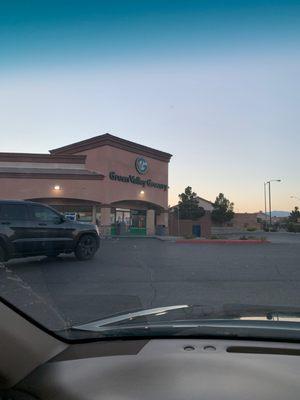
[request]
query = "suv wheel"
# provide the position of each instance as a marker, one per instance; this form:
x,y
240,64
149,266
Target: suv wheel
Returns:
x,y
2,254
86,247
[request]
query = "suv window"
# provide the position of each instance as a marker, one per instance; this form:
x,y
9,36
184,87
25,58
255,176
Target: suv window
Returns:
x,y
43,213
13,212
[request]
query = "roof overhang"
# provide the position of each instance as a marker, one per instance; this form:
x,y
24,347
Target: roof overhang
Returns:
x,y
114,141
43,158
47,173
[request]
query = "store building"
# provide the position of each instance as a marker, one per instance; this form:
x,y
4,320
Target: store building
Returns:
x,y
121,185
200,227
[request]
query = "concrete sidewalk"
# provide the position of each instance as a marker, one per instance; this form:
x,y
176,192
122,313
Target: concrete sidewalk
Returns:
x,y
253,237
162,238
222,241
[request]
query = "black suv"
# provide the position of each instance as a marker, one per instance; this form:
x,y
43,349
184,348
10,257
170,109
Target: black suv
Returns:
x,y
28,228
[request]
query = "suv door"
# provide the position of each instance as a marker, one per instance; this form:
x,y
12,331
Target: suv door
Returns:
x,y
53,234
15,228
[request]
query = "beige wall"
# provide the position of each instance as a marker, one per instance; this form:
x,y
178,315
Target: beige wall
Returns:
x,y
244,220
205,204
150,222
19,189
163,219
106,159
186,225
48,165
107,192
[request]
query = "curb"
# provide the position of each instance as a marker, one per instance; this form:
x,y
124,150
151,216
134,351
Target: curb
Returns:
x,y
128,237
221,241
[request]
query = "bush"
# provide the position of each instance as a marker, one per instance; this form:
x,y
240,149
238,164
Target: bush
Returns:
x,y
293,227
189,236
251,229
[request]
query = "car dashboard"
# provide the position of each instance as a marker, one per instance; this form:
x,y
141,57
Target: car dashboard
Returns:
x,y
36,365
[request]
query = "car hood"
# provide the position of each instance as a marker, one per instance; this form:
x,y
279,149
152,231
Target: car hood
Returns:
x,y
191,313
81,225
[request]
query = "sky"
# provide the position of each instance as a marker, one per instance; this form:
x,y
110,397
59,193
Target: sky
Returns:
x,y
215,83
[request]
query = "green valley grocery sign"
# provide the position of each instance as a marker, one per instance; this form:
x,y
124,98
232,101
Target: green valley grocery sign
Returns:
x,y
136,180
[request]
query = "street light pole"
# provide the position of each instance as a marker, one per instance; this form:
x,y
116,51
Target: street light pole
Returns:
x,y
178,222
270,207
270,203
265,197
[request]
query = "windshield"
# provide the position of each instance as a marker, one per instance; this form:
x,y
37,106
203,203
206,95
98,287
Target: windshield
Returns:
x,y
148,167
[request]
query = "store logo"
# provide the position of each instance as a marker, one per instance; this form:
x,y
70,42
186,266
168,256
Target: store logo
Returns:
x,y
137,180
141,165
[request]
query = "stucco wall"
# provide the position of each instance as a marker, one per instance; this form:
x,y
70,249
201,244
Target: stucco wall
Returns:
x,y
41,165
186,225
103,159
205,204
244,220
106,159
18,189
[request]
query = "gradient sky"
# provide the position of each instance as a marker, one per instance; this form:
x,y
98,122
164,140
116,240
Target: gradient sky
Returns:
x,y
215,83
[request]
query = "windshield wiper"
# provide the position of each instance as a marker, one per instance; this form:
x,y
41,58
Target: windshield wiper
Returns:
x,y
192,315
205,328
96,326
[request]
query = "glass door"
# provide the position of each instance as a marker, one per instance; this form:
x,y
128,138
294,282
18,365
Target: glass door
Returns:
x,y
138,222
129,222
122,222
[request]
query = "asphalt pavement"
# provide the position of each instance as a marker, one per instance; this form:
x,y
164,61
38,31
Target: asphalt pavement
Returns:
x,y
130,274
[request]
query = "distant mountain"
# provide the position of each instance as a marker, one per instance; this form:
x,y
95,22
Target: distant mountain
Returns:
x,y
280,213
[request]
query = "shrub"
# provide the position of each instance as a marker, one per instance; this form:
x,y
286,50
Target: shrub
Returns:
x,y
243,237
293,227
251,229
189,236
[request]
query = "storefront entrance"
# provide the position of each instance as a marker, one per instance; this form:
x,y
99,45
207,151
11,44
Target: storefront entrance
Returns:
x,y
128,222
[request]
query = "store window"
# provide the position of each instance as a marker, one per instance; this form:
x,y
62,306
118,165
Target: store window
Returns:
x,y
138,218
128,222
78,212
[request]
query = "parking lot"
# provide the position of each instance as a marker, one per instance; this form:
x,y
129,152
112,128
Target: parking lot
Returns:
x,y
129,274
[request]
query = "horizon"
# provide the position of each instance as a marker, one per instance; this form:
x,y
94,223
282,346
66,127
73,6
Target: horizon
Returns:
x,y
216,84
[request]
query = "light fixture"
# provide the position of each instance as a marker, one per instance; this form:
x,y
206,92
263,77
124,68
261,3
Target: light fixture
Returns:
x,y
142,192
57,187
